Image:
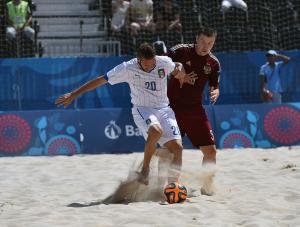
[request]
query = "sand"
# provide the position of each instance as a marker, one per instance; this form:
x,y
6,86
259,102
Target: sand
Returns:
x,y
253,187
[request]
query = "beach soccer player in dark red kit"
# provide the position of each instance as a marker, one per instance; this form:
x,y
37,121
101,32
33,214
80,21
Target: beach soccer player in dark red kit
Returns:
x,y
186,101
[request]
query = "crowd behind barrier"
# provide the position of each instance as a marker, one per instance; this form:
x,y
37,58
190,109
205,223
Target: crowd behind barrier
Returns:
x,y
261,25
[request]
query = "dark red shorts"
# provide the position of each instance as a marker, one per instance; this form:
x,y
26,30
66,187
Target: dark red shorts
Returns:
x,y
195,124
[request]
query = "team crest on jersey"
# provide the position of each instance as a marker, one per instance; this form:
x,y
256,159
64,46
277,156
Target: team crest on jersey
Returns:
x,y
161,73
207,69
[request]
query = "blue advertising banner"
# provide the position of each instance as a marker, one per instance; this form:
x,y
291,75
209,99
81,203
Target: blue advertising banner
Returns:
x,y
263,125
112,130
34,84
109,131
31,84
39,133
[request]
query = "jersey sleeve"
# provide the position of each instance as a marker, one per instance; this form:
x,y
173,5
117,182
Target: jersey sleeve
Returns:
x,y
214,79
176,53
170,66
118,74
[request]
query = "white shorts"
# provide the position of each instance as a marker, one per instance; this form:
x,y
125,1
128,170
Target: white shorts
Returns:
x,y
144,117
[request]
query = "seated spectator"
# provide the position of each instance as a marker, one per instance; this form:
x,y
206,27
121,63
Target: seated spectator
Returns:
x,y
168,23
140,16
168,16
18,20
119,11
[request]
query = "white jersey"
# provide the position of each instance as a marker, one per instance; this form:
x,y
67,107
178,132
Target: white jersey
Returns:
x,y
147,89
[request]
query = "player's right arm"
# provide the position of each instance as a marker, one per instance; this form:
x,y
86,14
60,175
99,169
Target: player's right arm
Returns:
x,y
68,98
116,75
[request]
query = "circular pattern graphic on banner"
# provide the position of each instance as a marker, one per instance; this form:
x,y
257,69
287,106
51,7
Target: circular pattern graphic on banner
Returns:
x,y
62,145
282,125
15,134
236,139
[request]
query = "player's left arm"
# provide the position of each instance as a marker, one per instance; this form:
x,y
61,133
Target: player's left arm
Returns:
x,y
214,80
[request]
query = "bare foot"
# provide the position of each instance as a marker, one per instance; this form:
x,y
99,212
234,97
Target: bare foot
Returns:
x,y
143,177
206,191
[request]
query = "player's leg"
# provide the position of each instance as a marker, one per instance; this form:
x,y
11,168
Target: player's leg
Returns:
x,y
209,159
175,147
165,158
171,139
149,125
154,133
201,135
199,132
209,154
165,155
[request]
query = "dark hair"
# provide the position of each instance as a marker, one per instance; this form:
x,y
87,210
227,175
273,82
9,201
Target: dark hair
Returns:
x,y
146,51
207,31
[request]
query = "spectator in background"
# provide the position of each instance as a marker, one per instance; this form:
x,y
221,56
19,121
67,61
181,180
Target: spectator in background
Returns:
x,y
271,87
140,16
19,19
119,11
168,23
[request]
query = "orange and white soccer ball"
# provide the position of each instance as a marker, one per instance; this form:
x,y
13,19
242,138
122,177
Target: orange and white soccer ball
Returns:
x,y
175,193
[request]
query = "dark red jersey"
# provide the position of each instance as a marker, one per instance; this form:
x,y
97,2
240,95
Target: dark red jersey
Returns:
x,y
207,69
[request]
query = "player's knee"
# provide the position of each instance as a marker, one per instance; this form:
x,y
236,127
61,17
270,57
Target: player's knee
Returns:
x,y
155,131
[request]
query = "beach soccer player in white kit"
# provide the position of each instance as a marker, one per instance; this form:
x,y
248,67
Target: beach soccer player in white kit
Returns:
x,y
147,78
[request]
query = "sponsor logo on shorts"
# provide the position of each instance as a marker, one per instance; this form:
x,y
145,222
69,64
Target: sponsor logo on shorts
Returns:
x,y
148,121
